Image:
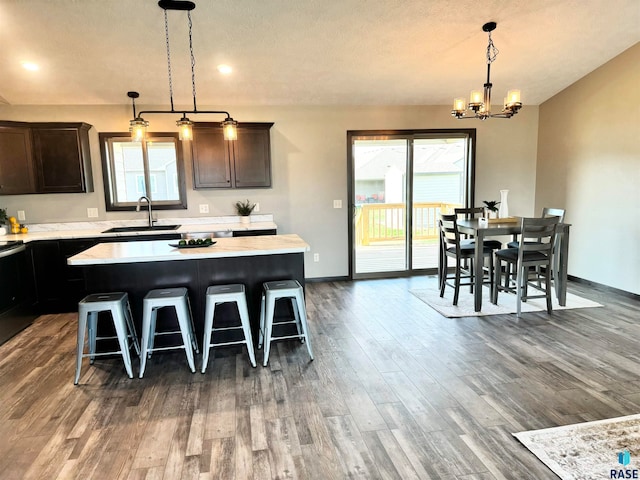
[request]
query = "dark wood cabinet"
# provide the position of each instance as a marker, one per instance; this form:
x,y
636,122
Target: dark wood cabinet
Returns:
x,y
44,158
59,287
16,160
242,163
253,233
61,154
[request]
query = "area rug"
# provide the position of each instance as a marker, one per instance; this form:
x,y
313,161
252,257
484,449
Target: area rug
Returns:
x,y
592,450
506,303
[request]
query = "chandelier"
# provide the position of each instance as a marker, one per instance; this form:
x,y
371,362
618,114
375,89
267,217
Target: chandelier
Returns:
x,y
480,102
138,126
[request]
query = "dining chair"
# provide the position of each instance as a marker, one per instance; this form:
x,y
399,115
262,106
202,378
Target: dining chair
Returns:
x,y
546,212
452,247
535,249
476,212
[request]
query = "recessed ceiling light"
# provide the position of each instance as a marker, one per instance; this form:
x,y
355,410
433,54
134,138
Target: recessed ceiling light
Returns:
x,y
224,69
30,66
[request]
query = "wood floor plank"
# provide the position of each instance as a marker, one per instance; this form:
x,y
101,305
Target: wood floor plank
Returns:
x,y
395,391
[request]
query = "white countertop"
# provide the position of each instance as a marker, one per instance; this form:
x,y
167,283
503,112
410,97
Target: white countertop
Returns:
x,y
95,230
160,251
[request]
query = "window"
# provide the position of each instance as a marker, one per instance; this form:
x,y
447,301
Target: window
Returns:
x,y
132,169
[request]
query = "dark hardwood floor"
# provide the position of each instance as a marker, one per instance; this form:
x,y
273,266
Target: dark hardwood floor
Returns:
x,y
396,392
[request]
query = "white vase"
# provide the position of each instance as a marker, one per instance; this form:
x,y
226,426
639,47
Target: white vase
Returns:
x,y
245,219
503,212
3,230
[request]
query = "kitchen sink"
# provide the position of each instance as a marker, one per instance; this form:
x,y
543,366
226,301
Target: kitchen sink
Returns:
x,y
141,228
216,234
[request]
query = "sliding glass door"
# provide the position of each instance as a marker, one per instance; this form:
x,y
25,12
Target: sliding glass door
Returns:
x,y
399,183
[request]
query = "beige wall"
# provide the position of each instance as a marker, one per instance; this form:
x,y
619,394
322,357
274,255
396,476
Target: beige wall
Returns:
x,y
309,167
589,163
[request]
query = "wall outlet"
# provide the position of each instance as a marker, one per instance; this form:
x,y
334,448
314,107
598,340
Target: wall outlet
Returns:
x,y
337,204
204,208
92,212
316,257
257,209
21,216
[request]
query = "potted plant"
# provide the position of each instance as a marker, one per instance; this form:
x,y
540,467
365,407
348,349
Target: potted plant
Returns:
x,y
244,209
3,221
492,208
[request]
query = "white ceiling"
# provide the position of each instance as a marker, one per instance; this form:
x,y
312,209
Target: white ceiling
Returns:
x,y
305,52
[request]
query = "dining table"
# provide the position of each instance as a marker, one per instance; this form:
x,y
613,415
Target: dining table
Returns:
x,y
513,226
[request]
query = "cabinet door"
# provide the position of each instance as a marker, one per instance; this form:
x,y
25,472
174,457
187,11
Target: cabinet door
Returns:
x,y
243,163
252,156
210,153
61,153
16,161
48,272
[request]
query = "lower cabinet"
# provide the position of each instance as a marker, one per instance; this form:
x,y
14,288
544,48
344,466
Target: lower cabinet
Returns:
x,y
59,287
252,233
17,295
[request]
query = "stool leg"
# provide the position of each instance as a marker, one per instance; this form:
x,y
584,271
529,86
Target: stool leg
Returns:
x,y
303,319
121,330
182,312
147,311
132,328
82,329
194,341
93,332
296,316
268,326
210,309
261,329
152,330
246,328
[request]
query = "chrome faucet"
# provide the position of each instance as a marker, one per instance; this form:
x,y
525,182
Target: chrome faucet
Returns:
x,y
149,203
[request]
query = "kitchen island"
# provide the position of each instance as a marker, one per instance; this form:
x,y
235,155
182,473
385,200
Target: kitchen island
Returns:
x,y
137,267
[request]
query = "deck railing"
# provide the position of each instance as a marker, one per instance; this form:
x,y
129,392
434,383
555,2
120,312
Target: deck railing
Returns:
x,y
385,222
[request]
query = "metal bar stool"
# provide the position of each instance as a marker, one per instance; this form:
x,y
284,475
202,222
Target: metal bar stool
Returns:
x,y
88,309
273,291
178,299
216,295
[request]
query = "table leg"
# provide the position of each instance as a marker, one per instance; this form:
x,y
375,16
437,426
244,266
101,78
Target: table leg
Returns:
x,y
477,294
562,263
441,273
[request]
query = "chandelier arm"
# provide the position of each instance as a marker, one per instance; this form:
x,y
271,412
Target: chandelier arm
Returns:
x,y
166,36
184,112
193,62
133,96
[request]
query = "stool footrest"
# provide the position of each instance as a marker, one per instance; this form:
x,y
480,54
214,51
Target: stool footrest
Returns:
x,y
302,335
160,349
221,329
103,354
238,342
287,322
159,334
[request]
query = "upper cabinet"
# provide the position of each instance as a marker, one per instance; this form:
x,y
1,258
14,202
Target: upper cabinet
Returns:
x,y
16,160
61,153
242,163
45,158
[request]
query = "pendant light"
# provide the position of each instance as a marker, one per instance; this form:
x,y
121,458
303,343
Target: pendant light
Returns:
x,y
480,101
138,126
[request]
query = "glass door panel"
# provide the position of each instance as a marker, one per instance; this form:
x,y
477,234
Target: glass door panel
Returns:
x,y
439,182
380,205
